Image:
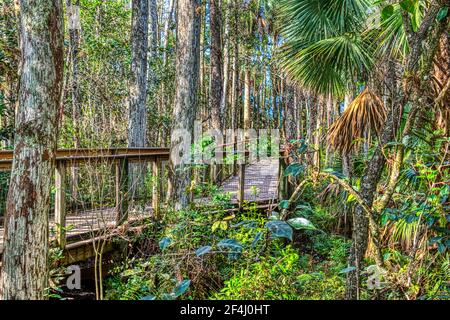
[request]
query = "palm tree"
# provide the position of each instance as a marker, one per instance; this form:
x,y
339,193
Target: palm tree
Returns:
x,y
327,45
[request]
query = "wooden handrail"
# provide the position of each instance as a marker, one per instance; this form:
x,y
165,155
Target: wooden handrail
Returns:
x,y
120,158
85,155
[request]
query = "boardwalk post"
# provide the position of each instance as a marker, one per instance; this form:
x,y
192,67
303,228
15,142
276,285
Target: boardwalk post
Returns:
x,y
282,185
241,186
157,184
122,193
60,204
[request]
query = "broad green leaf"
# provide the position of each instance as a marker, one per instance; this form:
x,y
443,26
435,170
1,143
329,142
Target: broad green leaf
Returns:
x,y
223,225
149,298
387,12
301,224
203,250
257,238
280,229
274,216
164,243
304,208
230,243
347,270
294,169
181,288
284,204
442,13
229,218
351,198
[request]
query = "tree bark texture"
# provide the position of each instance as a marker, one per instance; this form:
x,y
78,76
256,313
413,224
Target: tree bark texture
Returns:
x,y
137,125
24,269
186,96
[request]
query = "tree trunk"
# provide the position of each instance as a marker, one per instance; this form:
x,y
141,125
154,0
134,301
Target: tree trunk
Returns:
x,y
25,268
154,34
216,78
376,164
73,16
226,64
166,31
247,104
187,76
234,84
137,130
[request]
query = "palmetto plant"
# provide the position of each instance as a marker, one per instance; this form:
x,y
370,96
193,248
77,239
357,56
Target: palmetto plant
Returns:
x,y
365,114
324,49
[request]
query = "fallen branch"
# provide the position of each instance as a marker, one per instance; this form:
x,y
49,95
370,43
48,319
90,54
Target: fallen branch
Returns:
x,y
293,199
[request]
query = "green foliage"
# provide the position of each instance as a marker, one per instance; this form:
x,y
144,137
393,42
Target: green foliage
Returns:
x,y
283,275
323,44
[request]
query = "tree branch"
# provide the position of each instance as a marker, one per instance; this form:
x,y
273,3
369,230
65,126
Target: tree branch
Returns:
x,y
369,212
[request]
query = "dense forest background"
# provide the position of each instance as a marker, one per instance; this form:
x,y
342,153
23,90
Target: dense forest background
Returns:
x,y
358,90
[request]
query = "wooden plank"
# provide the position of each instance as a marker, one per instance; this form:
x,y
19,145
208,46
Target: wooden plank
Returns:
x,y
60,204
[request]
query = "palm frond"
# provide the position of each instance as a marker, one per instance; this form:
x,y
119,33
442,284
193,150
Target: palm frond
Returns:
x,y
325,65
366,113
323,48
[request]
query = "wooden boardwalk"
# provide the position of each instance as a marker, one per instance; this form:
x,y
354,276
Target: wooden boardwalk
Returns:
x,y
260,186
260,182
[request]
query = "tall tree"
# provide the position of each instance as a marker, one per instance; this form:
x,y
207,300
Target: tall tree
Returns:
x,y
186,96
25,266
166,30
216,74
154,39
137,130
73,17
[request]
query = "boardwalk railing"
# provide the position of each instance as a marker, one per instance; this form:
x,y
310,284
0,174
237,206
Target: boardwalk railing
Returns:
x,y
119,157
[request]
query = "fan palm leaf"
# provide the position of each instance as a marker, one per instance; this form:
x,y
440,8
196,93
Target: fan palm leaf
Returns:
x,y
325,65
323,49
366,113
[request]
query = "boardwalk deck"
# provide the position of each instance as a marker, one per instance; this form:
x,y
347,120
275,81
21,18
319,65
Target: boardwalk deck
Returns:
x,y
260,182
260,186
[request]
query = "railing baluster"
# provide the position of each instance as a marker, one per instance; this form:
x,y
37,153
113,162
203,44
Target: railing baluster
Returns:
x,y
157,186
60,203
122,193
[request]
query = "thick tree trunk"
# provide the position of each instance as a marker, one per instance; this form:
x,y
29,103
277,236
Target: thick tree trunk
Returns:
x,y
137,125
187,76
24,268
